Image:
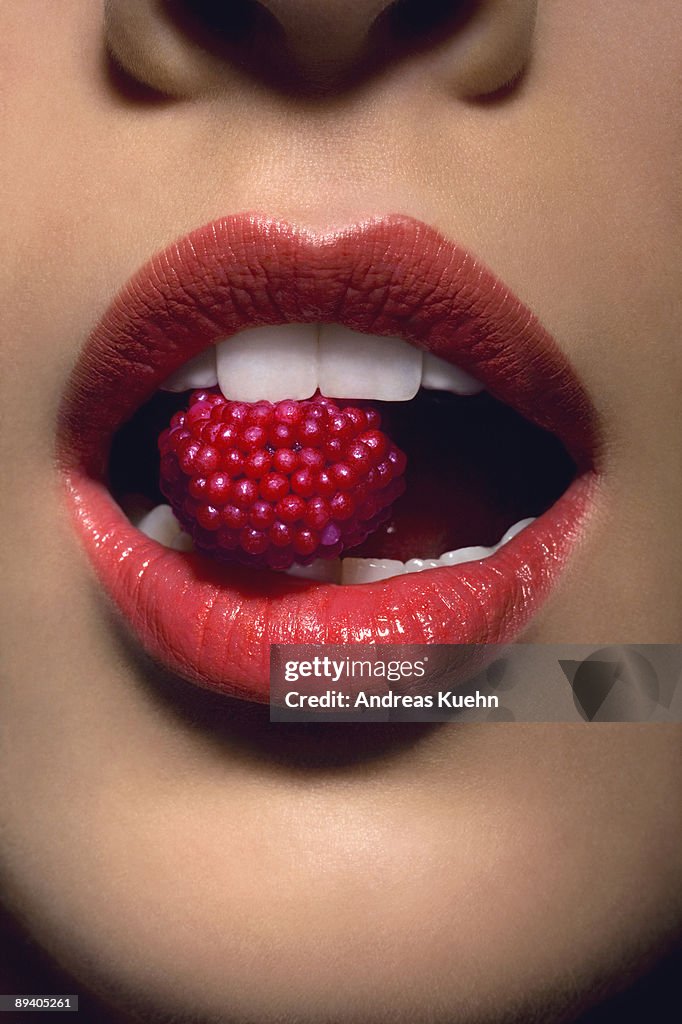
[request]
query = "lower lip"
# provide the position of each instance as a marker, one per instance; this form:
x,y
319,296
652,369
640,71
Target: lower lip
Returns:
x,y
215,625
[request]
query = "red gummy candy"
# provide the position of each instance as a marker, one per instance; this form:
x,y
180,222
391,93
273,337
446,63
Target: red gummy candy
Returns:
x,y
270,485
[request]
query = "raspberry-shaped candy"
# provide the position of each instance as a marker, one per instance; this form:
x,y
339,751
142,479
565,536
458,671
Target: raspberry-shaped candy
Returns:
x,y
272,484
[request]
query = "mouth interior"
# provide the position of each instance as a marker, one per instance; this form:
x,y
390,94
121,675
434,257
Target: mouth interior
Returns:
x,y
475,468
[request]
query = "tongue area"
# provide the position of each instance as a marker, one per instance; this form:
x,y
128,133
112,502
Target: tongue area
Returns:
x,y
474,468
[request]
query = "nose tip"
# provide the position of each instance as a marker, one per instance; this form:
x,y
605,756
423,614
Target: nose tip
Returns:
x,y
318,44
326,35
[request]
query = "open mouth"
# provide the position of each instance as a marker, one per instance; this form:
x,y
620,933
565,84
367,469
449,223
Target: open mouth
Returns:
x,y
477,472
500,439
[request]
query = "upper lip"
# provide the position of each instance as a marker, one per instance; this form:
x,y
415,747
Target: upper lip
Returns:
x,y
392,276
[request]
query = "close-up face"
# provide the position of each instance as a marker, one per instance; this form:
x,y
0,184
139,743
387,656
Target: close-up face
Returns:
x,y
460,224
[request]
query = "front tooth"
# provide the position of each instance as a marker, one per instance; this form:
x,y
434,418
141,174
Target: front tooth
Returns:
x,y
465,555
415,564
438,375
161,525
356,365
199,372
322,570
420,564
369,570
515,529
269,363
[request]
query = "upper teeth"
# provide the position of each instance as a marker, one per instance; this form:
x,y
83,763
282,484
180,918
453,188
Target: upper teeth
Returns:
x,y
294,360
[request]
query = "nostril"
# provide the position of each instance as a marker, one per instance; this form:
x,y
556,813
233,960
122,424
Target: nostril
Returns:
x,y
410,19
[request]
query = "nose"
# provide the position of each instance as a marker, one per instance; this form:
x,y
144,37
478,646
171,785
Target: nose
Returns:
x,y
184,47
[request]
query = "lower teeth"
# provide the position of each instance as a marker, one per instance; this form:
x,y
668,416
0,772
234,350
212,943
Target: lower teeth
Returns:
x,y
161,525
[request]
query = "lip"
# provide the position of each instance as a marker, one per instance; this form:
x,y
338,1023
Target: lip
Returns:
x,y
391,276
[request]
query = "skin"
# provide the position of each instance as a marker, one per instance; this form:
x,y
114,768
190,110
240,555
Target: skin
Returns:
x,y
233,870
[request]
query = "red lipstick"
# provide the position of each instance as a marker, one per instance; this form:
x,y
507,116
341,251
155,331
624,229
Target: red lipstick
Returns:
x,y
395,277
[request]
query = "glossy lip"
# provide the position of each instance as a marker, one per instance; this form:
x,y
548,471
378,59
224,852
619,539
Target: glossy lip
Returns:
x,y
393,276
